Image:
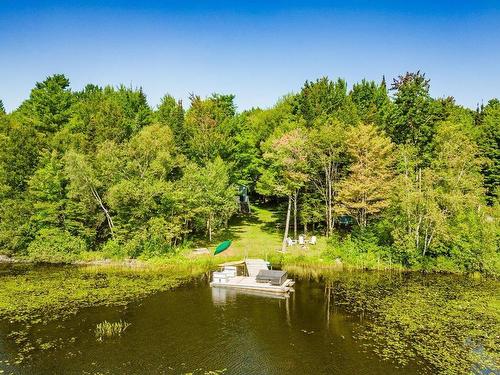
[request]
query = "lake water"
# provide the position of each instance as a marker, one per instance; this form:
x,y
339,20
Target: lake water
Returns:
x,y
341,324
198,329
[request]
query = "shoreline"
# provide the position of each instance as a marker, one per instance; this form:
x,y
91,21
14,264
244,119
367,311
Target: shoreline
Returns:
x,y
310,264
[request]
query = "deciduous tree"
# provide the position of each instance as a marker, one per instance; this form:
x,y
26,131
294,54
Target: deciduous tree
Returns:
x,y
366,191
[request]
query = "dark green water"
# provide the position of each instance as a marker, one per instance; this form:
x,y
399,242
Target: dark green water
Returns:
x,y
198,329
345,323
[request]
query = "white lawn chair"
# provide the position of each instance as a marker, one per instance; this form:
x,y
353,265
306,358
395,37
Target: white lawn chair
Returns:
x,y
301,240
312,241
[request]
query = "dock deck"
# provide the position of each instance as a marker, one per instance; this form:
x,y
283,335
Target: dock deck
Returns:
x,y
250,283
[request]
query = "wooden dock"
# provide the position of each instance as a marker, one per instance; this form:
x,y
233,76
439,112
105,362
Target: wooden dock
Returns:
x,y
249,283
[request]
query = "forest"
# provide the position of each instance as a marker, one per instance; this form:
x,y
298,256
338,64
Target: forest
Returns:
x,y
384,170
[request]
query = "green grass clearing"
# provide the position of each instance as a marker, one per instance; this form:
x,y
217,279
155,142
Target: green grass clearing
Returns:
x,y
259,235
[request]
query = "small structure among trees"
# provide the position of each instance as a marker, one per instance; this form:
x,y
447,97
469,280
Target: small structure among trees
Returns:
x,y
244,199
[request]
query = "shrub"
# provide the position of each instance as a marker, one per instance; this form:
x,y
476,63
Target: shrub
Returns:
x,y
156,239
359,250
54,245
112,249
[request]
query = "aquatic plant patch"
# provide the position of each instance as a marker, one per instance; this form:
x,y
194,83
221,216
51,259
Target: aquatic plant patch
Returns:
x,y
109,329
30,297
450,324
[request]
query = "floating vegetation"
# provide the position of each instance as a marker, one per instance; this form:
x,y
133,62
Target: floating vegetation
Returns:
x,y
107,329
41,294
31,297
448,324
209,372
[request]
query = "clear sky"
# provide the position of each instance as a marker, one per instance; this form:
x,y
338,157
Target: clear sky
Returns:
x,y
257,50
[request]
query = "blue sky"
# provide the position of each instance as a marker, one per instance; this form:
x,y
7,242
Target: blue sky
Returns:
x,y
257,50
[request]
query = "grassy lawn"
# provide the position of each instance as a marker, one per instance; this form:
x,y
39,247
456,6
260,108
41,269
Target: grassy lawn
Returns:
x,y
259,234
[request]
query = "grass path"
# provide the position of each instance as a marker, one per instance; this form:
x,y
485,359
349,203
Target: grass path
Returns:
x,y
259,234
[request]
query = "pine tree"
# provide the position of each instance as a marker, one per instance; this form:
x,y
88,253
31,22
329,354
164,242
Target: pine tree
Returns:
x,y
414,114
489,143
48,107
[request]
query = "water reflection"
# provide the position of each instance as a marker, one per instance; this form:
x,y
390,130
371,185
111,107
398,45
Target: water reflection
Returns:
x,y
198,329
221,296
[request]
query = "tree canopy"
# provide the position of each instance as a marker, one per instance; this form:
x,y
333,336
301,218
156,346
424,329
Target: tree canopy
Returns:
x,y
414,177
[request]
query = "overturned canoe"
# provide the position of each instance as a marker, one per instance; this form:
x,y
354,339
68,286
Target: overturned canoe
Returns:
x,y
222,246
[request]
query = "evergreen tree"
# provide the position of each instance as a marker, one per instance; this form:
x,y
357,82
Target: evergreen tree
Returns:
x,y
414,115
321,98
171,114
49,105
489,143
372,101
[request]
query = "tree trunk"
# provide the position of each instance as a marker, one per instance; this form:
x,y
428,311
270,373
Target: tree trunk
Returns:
x,y
295,214
327,202
105,210
287,224
209,227
330,204
326,220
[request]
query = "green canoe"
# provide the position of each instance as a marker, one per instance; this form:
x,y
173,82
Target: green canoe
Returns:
x,y
222,246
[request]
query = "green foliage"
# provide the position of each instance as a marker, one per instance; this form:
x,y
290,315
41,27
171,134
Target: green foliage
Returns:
x,y
365,192
489,144
321,98
49,105
157,238
171,114
414,113
53,245
113,250
19,152
15,233
208,195
360,250
372,102
47,190
102,167
204,126
105,114
441,210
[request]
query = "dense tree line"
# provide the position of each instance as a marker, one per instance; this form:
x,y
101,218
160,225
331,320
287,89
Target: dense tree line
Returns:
x,y
385,172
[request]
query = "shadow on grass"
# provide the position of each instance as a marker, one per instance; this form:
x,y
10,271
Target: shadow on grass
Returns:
x,y
262,220
276,224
